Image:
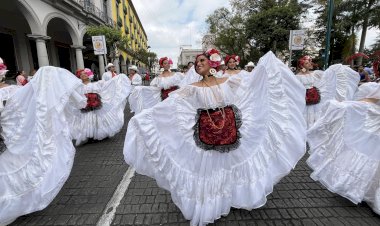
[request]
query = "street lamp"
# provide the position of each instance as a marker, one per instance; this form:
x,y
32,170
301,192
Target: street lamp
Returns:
x,y
328,33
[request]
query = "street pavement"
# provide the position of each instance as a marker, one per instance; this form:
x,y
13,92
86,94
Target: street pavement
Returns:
x,y
99,167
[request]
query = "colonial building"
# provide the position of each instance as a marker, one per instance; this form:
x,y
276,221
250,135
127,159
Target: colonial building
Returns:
x,y
124,13
188,55
35,33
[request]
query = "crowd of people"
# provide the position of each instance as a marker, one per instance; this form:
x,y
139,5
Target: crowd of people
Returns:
x,y
215,136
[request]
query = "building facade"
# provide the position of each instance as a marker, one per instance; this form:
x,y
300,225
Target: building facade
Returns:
x,y
187,55
127,20
37,33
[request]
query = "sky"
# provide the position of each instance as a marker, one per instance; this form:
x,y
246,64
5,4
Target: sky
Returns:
x,y
172,23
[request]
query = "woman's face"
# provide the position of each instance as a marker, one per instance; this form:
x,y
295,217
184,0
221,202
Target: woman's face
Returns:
x,y
84,76
231,64
166,65
308,65
202,66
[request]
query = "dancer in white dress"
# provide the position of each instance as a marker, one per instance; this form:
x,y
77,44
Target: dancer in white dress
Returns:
x,y
144,97
104,114
221,142
337,82
232,62
39,150
344,147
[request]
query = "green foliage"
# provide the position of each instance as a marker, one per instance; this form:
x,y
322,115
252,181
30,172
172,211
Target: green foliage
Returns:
x,y
253,27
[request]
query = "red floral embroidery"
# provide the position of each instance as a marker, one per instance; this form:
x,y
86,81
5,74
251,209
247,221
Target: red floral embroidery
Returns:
x,y
165,92
219,134
93,102
312,96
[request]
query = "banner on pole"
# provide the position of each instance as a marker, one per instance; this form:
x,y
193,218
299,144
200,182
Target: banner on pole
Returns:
x,y
99,44
296,39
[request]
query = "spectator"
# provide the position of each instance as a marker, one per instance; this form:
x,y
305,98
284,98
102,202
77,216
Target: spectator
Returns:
x,y
21,78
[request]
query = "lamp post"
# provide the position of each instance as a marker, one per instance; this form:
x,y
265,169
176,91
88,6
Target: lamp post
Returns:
x,y
328,33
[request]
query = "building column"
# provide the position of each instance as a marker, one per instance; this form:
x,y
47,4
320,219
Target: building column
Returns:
x,y
43,59
101,66
79,56
116,63
123,67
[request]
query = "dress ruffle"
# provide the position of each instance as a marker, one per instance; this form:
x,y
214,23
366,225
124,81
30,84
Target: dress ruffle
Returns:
x,y
338,82
107,120
39,153
144,97
344,151
159,142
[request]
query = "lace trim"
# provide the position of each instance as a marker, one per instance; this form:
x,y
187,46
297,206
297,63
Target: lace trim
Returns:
x,y
220,148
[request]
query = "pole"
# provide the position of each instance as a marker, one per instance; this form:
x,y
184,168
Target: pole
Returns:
x,y
290,58
328,34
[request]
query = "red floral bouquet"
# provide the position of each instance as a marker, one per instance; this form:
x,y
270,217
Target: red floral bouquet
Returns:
x,y
165,92
312,96
93,102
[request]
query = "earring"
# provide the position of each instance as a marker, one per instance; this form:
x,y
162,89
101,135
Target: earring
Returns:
x,y
212,71
303,70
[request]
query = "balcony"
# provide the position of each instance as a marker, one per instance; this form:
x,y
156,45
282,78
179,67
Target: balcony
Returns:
x,y
125,9
91,10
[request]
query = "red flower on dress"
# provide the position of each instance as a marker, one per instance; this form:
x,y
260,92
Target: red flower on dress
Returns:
x,y
165,92
312,96
93,102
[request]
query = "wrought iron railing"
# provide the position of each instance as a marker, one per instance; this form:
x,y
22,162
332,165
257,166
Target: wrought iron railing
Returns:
x,y
94,10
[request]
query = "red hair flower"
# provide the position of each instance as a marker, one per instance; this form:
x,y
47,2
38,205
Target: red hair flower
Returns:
x,y
233,56
162,59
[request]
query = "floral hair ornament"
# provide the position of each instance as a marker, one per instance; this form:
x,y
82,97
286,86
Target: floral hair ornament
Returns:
x,y
88,72
3,67
162,59
233,56
213,57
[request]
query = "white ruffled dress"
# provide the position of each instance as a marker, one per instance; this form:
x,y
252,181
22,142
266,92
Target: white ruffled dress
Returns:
x,y
205,180
107,120
144,97
40,152
338,82
344,147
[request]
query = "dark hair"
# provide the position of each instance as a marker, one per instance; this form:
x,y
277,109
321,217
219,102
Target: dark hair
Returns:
x,y
191,62
185,67
19,73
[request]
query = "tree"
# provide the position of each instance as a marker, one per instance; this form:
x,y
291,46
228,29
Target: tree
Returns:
x,y
253,27
148,58
115,40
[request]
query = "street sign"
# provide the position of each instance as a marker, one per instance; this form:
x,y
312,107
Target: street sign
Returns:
x,y
296,39
99,44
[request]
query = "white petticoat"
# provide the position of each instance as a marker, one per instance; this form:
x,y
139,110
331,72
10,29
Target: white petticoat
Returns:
x,y
144,97
109,119
338,82
345,154
40,152
206,184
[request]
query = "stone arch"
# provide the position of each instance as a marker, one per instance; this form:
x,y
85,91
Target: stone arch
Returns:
x,y
31,17
70,26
